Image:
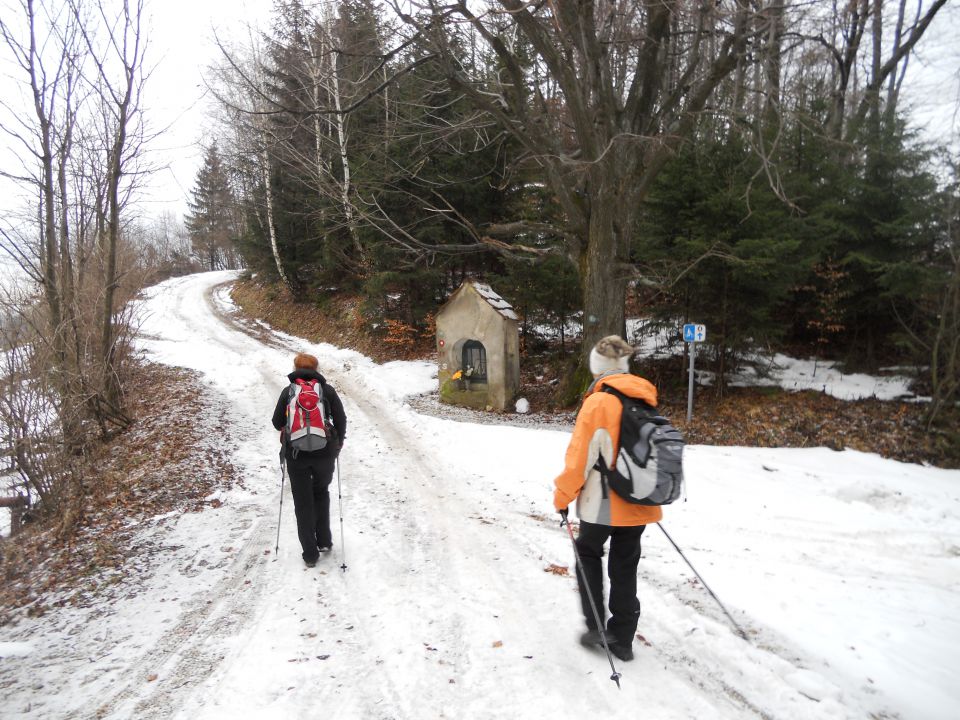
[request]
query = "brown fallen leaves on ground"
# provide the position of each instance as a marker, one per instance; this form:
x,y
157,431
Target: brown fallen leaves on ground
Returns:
x,y
765,417
156,467
753,417
340,321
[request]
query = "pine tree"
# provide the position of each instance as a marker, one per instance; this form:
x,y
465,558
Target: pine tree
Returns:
x,y
717,254
211,221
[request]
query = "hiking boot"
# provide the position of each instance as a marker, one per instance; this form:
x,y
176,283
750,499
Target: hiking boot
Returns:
x,y
591,638
624,652
324,548
310,562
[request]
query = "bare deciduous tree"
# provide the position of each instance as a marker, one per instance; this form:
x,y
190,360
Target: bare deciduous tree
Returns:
x,y
81,64
599,95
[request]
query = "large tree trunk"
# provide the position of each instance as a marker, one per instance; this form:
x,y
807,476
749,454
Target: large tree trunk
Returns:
x,y
602,281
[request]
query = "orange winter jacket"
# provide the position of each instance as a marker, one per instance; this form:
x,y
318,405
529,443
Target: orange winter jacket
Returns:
x,y
597,433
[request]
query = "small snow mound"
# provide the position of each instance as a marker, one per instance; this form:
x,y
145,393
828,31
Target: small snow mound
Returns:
x,y
813,686
15,649
523,407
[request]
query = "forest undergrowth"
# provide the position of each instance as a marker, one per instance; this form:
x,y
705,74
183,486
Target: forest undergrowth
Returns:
x,y
754,417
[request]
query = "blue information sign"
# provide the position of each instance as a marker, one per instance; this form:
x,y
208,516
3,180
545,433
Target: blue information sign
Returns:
x,y
694,333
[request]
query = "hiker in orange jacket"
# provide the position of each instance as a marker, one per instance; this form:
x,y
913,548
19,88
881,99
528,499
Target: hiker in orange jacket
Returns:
x,y
603,514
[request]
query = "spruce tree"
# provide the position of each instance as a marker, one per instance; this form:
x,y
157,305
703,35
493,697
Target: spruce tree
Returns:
x,y
211,221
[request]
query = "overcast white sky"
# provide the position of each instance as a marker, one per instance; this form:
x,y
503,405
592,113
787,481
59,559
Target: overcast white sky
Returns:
x,y
181,35
932,86
181,47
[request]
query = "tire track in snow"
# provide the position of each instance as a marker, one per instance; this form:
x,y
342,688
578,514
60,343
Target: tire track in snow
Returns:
x,y
184,655
427,550
410,544
440,628
190,667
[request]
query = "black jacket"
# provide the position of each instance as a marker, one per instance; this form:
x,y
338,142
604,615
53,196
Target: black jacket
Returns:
x,y
330,398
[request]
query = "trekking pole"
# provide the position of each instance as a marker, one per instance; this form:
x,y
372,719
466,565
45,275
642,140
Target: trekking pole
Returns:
x,y
283,472
593,605
704,583
343,548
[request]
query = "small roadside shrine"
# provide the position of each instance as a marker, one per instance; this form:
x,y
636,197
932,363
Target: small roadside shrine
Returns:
x,y
478,348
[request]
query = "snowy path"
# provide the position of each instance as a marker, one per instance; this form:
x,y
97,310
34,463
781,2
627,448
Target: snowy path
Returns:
x,y
446,610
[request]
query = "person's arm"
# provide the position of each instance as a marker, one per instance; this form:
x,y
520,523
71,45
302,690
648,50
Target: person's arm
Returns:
x,y
336,410
280,413
582,452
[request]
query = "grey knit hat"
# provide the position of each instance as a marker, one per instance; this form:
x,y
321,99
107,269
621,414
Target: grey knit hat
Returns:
x,y
610,354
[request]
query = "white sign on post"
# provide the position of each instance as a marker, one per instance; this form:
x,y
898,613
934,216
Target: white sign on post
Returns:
x,y
692,334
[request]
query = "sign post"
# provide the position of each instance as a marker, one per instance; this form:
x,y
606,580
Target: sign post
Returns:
x,y
692,334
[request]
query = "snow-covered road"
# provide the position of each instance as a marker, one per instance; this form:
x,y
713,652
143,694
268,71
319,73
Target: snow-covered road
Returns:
x,y
843,567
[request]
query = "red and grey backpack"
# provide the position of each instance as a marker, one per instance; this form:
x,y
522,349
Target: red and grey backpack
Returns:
x,y
307,424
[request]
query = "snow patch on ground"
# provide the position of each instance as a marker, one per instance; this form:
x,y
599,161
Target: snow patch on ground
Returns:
x,y
822,376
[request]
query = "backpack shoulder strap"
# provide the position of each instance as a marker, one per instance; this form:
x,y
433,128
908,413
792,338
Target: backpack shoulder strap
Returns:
x,y
328,412
601,464
617,393
628,398
649,411
291,398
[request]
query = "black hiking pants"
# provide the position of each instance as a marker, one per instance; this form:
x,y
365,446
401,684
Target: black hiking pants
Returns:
x,y
310,485
622,570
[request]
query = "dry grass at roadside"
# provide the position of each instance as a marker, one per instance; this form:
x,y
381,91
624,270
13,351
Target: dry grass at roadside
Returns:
x,y
157,466
337,320
770,417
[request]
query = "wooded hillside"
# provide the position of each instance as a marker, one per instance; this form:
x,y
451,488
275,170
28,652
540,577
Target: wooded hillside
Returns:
x,y
749,166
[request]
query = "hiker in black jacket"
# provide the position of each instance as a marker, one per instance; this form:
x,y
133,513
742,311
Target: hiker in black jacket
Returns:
x,y
311,472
